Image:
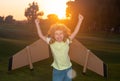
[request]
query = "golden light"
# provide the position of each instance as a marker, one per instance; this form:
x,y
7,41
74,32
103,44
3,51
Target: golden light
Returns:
x,y
57,7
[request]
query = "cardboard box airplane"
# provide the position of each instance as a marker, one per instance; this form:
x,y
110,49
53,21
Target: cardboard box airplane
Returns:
x,y
39,51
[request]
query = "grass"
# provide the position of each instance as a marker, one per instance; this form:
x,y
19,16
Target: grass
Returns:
x,y
106,48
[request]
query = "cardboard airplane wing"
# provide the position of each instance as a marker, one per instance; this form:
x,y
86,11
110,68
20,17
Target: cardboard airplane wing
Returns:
x,y
81,55
37,51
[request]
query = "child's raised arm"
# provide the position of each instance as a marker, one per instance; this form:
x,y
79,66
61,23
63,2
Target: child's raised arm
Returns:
x,y
39,30
72,36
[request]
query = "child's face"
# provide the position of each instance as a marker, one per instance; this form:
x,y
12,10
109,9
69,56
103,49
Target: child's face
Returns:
x,y
59,35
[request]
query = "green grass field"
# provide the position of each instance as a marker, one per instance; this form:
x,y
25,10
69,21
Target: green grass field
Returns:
x,y
17,37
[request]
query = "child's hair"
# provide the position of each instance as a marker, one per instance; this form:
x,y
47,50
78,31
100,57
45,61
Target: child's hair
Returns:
x,y
58,26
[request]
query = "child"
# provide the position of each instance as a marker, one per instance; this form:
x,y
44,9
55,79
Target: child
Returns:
x,y
59,40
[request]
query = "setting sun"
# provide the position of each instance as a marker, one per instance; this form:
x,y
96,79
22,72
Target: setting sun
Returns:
x,y
57,7
8,7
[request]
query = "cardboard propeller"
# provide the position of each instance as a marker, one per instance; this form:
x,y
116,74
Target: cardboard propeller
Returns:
x,y
39,51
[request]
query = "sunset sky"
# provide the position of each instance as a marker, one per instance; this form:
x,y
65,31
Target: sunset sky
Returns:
x,y
17,7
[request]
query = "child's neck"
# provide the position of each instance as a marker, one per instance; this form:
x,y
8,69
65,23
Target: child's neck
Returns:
x,y
59,41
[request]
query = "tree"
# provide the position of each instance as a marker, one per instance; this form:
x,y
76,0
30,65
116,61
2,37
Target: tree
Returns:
x,y
98,14
32,12
9,19
72,11
1,19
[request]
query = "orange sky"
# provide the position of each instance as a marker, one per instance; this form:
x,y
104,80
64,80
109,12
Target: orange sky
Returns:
x,y
17,7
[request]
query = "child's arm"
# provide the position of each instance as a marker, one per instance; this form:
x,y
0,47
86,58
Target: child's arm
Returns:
x,y
39,30
72,36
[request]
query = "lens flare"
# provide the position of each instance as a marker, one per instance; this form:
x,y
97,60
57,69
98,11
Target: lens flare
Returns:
x,y
71,74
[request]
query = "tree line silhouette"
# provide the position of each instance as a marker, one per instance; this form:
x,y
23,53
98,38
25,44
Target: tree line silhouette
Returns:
x,y
8,19
98,14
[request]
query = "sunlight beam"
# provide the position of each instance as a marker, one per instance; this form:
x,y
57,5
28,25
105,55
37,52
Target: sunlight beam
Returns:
x,y
57,7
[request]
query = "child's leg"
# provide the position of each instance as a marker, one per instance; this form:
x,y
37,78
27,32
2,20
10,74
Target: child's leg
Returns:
x,y
58,75
68,75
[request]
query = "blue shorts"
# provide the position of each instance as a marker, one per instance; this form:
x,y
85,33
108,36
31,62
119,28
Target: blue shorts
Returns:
x,y
62,75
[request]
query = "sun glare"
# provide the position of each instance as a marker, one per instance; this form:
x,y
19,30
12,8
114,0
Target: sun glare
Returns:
x,y
57,7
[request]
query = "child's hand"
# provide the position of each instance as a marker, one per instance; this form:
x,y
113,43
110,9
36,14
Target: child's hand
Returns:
x,y
80,17
36,21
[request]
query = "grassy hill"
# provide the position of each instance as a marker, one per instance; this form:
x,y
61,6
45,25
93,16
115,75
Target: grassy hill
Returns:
x,y
13,38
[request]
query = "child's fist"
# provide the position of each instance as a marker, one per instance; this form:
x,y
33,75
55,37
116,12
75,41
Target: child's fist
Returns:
x,y
80,17
36,21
